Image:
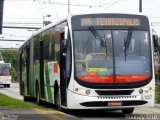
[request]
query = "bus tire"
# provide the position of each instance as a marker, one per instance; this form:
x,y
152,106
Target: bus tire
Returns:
x,y
57,98
128,111
8,86
26,98
23,89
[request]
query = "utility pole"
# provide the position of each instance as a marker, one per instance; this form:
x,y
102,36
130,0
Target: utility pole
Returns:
x,y
68,6
1,58
140,6
46,22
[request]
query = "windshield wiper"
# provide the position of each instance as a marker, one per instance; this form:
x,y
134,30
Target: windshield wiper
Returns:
x,y
127,41
97,36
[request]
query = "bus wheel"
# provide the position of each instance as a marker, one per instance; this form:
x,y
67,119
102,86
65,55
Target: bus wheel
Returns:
x,y
8,85
128,111
57,99
26,98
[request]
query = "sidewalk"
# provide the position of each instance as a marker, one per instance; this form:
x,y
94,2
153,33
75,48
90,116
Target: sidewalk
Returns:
x,y
13,91
157,104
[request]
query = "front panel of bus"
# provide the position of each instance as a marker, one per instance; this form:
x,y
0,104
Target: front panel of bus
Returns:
x,y
5,74
112,60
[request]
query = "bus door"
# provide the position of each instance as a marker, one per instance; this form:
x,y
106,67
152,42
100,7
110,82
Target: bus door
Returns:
x,y
27,69
63,79
42,69
20,73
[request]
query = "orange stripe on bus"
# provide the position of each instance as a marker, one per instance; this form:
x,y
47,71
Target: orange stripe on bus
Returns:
x,y
55,68
110,78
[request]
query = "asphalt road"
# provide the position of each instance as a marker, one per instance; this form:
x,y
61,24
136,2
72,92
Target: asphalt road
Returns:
x,y
52,114
142,113
33,114
13,91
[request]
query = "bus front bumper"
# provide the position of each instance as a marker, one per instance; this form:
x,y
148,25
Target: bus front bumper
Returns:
x,y
5,82
76,101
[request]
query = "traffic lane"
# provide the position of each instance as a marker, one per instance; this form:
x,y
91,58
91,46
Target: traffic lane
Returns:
x,y
52,114
13,91
57,115
97,114
20,114
113,115
154,110
33,114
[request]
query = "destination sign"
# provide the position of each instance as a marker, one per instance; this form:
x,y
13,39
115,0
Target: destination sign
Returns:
x,y
110,22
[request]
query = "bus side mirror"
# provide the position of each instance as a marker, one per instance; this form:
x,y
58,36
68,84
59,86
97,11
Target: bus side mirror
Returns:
x,y
65,33
155,41
64,41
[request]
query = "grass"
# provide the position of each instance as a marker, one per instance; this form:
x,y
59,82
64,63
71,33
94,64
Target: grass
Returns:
x,y
6,101
157,94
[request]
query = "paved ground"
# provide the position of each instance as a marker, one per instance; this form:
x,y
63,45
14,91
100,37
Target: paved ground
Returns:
x,y
117,115
20,114
36,114
13,91
51,114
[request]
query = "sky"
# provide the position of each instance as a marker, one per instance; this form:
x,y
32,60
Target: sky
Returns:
x,y
17,12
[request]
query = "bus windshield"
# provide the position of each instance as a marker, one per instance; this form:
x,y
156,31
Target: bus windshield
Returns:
x,y
5,69
126,56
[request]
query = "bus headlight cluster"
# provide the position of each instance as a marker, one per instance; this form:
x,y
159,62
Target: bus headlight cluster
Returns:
x,y
145,90
82,91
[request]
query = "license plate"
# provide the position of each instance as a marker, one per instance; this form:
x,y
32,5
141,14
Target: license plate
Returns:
x,y
115,103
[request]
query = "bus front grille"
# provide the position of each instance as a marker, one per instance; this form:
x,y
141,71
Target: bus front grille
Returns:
x,y
114,92
133,97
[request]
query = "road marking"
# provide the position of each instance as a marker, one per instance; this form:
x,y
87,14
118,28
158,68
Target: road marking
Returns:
x,y
48,111
57,115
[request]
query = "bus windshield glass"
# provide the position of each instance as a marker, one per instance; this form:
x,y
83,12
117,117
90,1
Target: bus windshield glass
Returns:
x,y
5,69
114,56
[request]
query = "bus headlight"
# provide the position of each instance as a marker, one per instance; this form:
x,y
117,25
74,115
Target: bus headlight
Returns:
x,y
82,91
141,91
145,90
87,92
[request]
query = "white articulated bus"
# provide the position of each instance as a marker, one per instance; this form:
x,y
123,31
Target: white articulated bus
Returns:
x,y
91,61
5,74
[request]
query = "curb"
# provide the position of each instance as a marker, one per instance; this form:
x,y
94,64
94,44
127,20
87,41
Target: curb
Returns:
x,y
157,104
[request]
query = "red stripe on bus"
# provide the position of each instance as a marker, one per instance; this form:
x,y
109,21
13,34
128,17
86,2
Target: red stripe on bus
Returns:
x,y
110,78
5,75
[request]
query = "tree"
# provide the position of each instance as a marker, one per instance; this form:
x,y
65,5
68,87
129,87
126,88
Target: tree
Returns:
x,y
157,68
